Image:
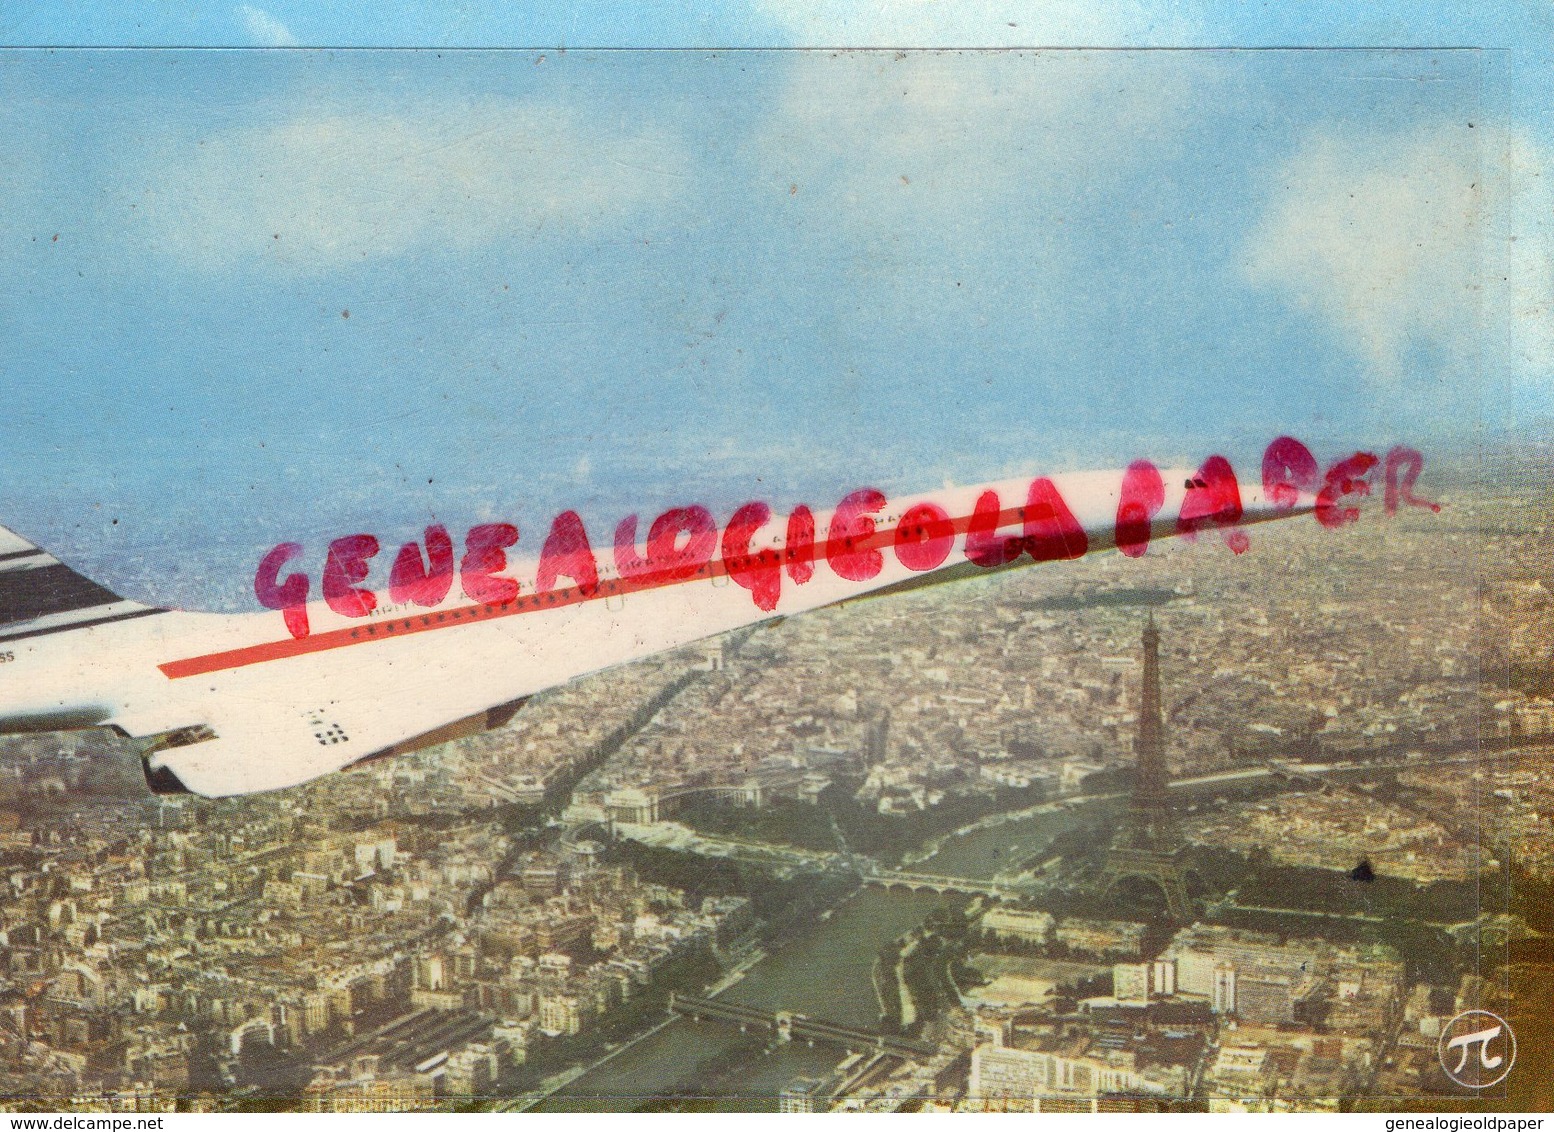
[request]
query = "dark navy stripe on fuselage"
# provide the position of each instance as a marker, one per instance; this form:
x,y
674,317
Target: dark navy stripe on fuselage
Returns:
x,y
85,622
27,594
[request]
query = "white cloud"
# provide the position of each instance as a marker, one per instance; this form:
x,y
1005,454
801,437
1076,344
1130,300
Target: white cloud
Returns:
x,y
981,23
954,157
265,29
323,187
1381,235
1438,239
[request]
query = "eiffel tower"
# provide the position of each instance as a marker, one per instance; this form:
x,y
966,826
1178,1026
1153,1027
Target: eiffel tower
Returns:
x,y
1145,846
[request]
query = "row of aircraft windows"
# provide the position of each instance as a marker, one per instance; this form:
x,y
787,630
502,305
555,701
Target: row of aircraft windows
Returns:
x,y
567,596
610,585
608,571
778,541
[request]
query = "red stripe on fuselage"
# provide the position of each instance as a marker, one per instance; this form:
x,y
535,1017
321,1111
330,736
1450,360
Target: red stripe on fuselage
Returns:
x,y
390,627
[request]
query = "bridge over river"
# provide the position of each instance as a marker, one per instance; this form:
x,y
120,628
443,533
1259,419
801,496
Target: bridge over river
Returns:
x,y
788,1026
916,882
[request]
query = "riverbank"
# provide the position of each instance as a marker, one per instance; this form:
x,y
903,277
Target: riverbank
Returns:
x,y
1243,776
553,1085
822,970
932,847
826,967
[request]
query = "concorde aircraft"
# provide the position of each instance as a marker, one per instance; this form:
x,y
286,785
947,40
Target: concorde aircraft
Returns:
x,y
225,704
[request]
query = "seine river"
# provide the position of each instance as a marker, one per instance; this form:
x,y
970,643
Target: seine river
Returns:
x,y
983,853
823,972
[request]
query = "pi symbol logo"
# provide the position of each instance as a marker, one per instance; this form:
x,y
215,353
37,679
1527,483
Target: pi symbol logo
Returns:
x,y
1477,1049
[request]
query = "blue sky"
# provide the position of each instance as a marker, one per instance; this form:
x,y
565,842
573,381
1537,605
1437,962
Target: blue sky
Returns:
x,y
264,295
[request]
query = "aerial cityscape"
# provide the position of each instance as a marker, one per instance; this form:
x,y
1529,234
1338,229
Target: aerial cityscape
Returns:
x,y
1193,832
513,574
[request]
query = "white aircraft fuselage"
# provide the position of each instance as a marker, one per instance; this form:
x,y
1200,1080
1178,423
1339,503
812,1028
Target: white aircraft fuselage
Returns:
x,y
226,704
